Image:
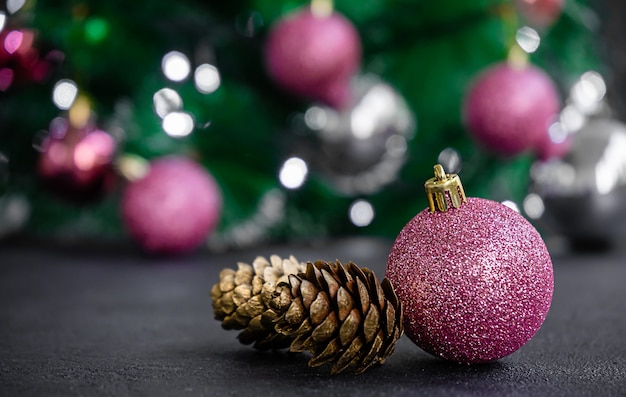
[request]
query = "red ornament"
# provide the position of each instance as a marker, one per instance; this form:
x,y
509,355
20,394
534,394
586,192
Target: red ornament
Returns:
x,y
173,208
476,279
509,109
314,56
540,13
76,164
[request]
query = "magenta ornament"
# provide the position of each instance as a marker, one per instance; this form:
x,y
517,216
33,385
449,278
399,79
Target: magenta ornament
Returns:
x,y
314,56
475,278
508,109
173,208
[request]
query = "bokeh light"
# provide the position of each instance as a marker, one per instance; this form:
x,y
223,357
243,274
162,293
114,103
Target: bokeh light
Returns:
x,y
176,66
450,160
64,93
379,102
3,20
588,92
178,124
13,41
316,118
165,101
361,213
207,78
572,119
533,206
528,39
14,6
293,173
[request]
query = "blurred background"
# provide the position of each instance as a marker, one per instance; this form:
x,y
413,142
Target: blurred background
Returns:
x,y
230,124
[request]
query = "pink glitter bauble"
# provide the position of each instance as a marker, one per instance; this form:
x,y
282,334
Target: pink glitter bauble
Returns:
x,y
476,281
173,208
314,56
508,110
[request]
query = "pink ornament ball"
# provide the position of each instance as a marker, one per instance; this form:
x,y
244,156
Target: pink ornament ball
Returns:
x,y
508,109
173,208
476,281
314,56
77,164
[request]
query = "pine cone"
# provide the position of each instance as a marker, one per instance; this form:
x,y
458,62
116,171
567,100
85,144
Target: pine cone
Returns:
x,y
240,299
342,315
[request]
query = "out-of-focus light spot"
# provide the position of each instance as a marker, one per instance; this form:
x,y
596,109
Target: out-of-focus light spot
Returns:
x,y
396,146
450,160
316,118
6,78
80,112
248,23
533,206
96,30
557,132
376,104
588,92
14,212
176,66
58,127
95,149
178,124
14,6
528,39
322,8
206,78
361,213
511,205
572,119
611,168
132,167
13,41
3,20
64,93
293,173
165,101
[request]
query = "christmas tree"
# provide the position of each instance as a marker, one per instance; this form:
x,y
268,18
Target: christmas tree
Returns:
x,y
296,152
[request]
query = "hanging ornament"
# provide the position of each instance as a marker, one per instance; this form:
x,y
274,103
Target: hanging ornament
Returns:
x,y
474,276
313,53
360,149
173,207
584,194
76,162
540,13
508,108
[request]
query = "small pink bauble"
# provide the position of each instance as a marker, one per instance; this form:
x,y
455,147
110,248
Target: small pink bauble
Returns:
x,y
508,109
314,56
540,13
476,281
77,164
173,208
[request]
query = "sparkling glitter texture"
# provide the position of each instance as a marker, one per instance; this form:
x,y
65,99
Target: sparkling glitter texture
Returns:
x,y
476,281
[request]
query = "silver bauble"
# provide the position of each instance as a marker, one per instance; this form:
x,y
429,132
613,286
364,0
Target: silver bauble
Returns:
x,y
360,149
584,194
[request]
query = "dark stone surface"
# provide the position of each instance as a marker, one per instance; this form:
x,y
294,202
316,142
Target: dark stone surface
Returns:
x,y
108,321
